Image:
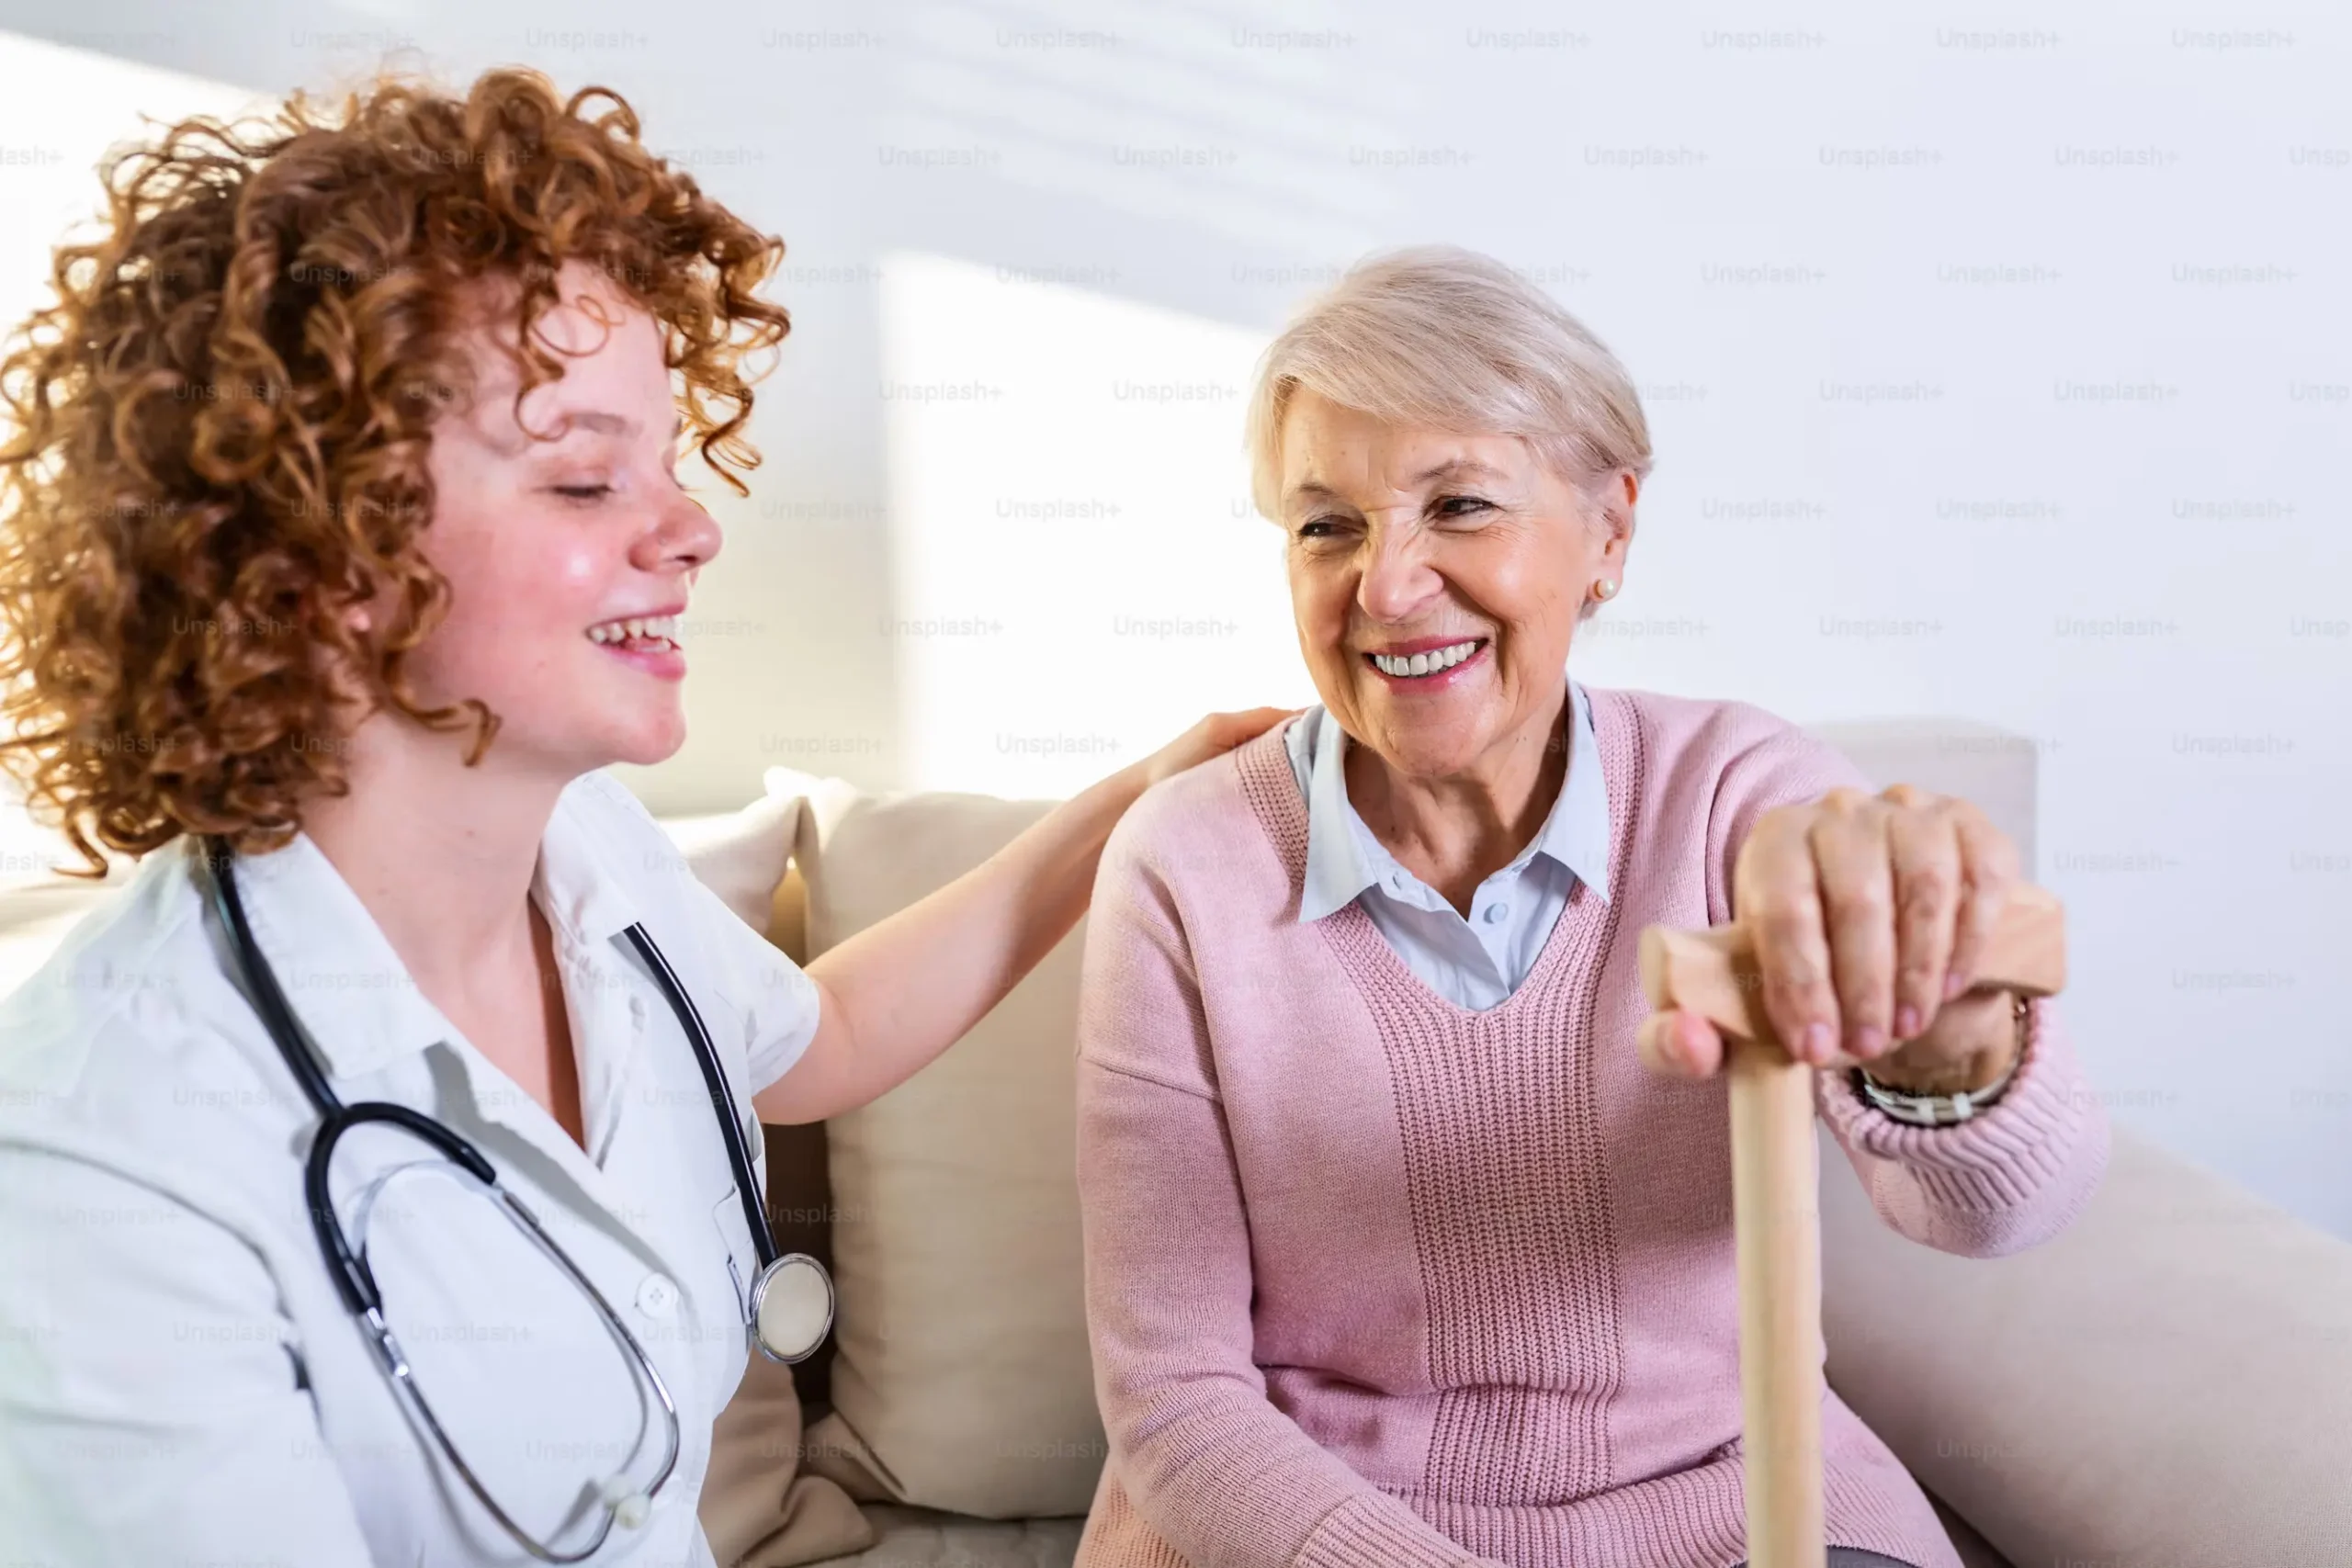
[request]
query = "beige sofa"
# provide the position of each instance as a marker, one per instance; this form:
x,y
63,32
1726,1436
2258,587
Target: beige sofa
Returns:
x,y
2166,1386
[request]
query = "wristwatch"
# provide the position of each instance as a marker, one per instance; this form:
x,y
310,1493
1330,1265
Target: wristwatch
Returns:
x,y
1944,1109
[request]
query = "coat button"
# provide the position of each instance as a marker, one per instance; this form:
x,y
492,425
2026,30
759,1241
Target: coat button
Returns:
x,y
657,1297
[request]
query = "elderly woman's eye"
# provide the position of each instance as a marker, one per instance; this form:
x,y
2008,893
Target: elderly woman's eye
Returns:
x,y
583,492
1460,505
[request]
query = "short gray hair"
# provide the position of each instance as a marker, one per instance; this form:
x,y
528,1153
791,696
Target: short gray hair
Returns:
x,y
1445,338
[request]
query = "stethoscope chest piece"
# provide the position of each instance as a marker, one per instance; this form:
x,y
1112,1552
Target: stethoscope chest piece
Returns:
x,y
792,1308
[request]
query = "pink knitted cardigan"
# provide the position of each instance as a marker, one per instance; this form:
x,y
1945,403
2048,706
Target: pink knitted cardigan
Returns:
x,y
1373,1280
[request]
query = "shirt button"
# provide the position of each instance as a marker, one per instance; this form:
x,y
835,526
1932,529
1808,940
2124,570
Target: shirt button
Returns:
x,y
1396,882
1494,913
657,1297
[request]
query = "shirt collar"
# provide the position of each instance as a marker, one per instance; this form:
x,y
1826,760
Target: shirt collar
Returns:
x,y
352,995
581,882
1343,858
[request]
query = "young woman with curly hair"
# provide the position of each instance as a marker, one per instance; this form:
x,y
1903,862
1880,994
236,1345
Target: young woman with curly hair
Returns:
x,y
340,548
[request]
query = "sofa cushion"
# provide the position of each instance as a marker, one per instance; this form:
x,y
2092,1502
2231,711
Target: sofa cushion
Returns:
x,y
758,1510
924,1538
961,1376
2167,1379
1995,770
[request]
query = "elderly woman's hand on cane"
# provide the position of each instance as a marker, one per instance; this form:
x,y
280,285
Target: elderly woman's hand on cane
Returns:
x,y
1871,917
1897,920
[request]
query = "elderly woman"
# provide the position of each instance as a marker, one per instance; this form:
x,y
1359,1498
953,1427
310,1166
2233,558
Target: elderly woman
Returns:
x,y
1407,1227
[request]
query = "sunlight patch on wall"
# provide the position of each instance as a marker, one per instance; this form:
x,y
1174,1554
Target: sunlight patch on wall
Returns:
x,y
60,110
1076,573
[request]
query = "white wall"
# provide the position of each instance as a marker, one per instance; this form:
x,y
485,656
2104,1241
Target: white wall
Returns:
x,y
1998,359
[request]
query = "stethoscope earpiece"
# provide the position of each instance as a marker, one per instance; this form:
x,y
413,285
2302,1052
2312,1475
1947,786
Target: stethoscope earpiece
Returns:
x,y
629,1505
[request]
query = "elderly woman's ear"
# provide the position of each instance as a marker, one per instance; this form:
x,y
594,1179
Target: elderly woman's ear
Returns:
x,y
1612,497
1617,494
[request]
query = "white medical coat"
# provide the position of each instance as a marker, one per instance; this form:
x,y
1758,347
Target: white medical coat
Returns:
x,y
179,1381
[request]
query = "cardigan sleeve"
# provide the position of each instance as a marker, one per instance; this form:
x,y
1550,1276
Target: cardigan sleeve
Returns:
x,y
1208,1462
2010,1177
2007,1178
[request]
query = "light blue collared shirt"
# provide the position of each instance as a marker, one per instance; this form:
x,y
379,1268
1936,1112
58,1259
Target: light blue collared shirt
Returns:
x,y
1474,963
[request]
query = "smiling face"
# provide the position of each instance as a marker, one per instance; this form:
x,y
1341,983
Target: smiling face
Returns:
x,y
569,559
1436,579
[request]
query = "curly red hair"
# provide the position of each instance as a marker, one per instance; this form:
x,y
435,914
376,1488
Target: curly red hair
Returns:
x,y
222,423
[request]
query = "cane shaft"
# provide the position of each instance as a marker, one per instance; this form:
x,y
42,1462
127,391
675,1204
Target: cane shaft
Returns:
x,y
1777,1234
1776,1217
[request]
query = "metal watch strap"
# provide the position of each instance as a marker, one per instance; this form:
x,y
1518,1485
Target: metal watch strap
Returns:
x,y
1944,1109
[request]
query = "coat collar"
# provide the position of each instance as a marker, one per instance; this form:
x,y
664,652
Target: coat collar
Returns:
x,y
348,988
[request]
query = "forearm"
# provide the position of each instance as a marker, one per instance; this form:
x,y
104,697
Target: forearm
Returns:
x,y
902,991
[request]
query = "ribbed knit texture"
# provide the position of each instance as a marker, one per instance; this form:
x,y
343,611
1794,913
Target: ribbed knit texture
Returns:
x,y
1373,1279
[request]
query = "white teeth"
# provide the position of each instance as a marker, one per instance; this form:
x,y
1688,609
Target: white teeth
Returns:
x,y
635,627
1426,663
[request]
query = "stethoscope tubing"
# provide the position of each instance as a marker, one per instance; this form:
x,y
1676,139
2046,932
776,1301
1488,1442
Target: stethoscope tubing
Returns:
x,y
354,1281
722,1095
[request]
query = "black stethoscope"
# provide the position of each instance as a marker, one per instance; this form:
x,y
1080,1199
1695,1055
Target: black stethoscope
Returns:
x,y
790,1308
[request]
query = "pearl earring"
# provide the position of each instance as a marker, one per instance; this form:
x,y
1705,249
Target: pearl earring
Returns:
x,y
1605,589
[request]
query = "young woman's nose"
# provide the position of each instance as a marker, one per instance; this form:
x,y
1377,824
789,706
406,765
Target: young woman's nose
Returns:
x,y
682,536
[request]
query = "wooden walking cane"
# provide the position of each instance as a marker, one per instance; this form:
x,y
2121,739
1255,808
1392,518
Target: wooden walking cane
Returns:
x,y
1776,1197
